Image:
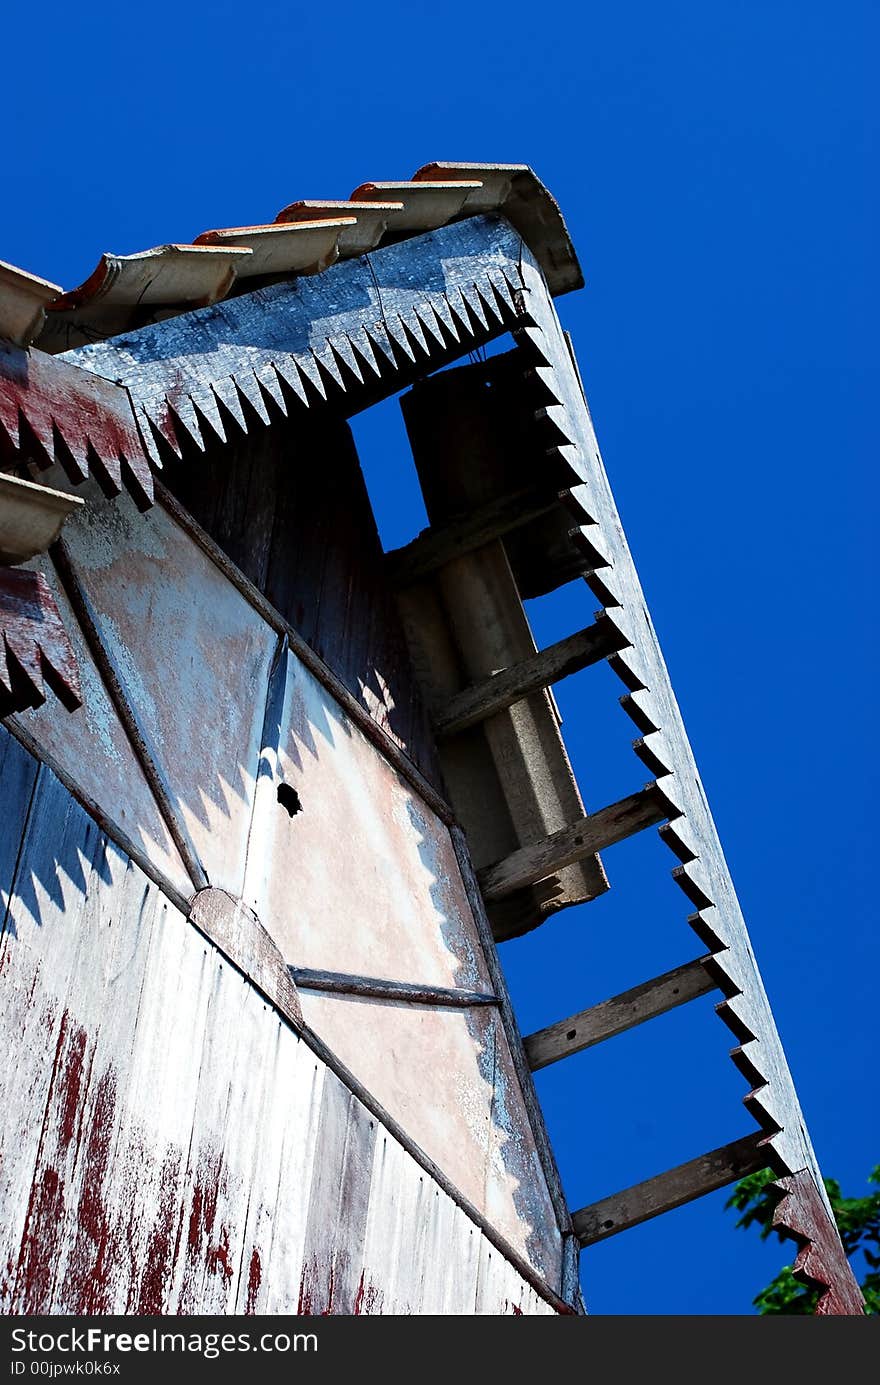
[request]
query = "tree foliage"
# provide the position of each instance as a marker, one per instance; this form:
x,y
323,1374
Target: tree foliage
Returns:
x,y
858,1221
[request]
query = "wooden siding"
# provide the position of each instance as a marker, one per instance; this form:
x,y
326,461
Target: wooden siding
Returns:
x,y
171,1144
193,658
289,506
218,736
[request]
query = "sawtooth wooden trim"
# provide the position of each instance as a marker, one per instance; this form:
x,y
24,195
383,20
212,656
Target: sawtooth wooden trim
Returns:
x,y
377,988
615,823
352,335
150,762
434,548
617,1014
35,648
672,1189
548,666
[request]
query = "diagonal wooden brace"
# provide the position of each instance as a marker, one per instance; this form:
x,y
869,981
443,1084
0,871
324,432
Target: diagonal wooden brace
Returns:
x,y
615,823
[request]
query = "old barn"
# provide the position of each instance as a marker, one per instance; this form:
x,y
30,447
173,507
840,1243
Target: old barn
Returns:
x,y
274,799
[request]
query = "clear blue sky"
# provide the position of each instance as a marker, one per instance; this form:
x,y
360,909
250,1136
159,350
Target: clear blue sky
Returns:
x,y
713,164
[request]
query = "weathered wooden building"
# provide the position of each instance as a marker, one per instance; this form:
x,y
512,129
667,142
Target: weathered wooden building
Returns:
x,y
271,796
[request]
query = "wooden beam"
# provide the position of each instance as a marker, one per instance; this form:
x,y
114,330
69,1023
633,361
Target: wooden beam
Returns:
x,y
618,1014
434,548
583,838
377,988
672,1189
548,666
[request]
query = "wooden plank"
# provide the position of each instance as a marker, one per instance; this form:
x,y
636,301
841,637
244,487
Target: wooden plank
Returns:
x,y
672,1189
591,834
149,760
619,1013
375,987
548,666
434,548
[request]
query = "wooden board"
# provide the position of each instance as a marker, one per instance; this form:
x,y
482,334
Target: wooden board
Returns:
x,y
618,1014
191,658
706,1174
179,1148
548,666
582,838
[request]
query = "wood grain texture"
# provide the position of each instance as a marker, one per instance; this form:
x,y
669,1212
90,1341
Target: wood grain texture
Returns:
x,y
178,1147
35,648
377,988
236,931
190,658
510,685
669,1190
618,1014
609,825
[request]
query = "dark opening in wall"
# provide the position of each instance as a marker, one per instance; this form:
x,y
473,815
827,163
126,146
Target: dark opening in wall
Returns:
x,y
289,799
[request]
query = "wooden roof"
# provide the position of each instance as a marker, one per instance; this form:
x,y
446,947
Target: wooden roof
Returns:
x,y
307,236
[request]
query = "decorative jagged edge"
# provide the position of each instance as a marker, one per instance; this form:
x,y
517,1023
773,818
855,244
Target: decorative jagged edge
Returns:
x,y
52,412
664,748
362,328
35,648
800,1214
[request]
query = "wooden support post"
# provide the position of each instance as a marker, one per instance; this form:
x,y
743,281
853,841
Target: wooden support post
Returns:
x,y
435,547
548,666
615,1016
583,838
672,1189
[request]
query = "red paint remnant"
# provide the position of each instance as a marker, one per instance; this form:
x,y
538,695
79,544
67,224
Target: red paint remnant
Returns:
x,y
255,1277
40,1243
71,1079
206,1191
516,1310
306,1306
56,411
86,1283
38,652
368,1299
160,1247
218,1257
821,1259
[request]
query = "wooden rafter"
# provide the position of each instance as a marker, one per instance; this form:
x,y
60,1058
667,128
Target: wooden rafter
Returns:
x,y
548,666
618,1014
675,1187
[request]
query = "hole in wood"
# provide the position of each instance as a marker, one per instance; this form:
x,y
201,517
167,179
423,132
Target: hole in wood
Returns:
x,y
607,1225
572,1034
289,800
